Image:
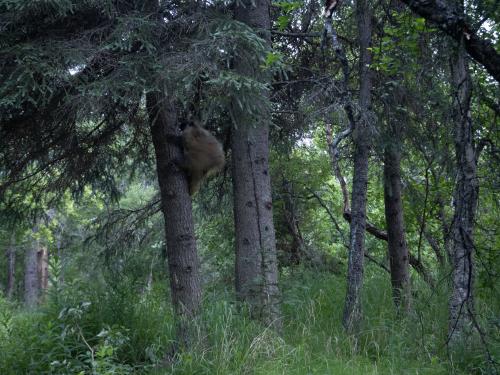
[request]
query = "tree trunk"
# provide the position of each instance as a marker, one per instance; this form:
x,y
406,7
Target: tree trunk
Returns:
x,y
183,262
465,202
297,249
43,269
256,262
31,278
396,241
361,137
11,269
60,253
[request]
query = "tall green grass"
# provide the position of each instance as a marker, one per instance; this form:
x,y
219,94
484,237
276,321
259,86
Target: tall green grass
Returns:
x,y
103,329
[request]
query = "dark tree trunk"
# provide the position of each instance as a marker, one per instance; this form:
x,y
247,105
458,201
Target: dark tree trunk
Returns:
x,y
183,262
393,202
11,269
31,278
256,262
465,201
361,137
396,241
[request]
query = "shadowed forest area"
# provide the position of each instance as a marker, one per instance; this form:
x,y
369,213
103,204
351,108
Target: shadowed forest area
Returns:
x,y
249,187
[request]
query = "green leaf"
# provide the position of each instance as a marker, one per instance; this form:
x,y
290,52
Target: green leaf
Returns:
x,y
283,22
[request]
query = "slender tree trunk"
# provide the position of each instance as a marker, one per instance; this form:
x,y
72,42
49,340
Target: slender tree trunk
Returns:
x,y
398,249
396,238
149,281
256,263
31,278
11,269
183,262
43,269
465,201
298,249
60,253
361,137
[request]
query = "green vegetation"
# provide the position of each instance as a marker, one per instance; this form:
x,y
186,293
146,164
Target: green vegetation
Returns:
x,y
352,228
130,333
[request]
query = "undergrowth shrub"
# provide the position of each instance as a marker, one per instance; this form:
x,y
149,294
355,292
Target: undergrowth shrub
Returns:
x,y
85,329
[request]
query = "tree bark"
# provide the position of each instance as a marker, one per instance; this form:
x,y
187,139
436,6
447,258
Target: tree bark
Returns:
x,y
256,262
297,249
454,23
11,269
361,136
59,235
393,202
31,278
466,193
43,269
398,249
183,262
